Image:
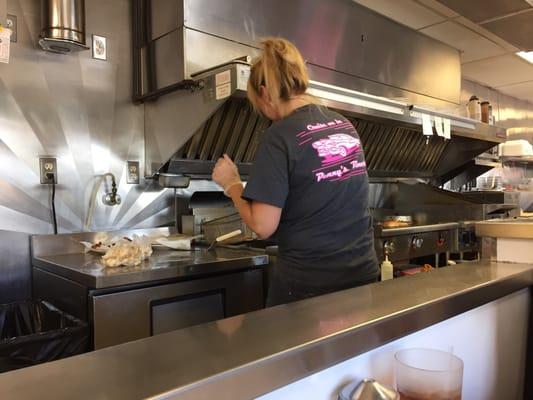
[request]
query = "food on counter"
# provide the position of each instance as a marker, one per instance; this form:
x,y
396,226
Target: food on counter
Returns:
x,y
128,252
97,247
124,253
121,250
395,224
101,237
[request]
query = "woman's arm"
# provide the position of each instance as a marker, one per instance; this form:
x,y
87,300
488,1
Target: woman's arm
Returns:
x,y
261,218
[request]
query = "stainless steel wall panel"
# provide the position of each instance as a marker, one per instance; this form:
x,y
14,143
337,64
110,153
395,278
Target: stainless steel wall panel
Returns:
x,y
165,16
77,109
15,267
168,58
339,35
169,123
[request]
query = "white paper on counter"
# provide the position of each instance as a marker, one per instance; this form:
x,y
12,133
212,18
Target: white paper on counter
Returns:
x,y
427,129
5,43
439,126
447,128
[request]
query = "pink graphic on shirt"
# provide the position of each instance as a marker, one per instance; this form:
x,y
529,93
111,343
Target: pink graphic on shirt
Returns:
x,y
342,172
341,154
336,147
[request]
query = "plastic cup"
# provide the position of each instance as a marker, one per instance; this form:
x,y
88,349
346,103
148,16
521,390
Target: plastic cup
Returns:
x,y
424,374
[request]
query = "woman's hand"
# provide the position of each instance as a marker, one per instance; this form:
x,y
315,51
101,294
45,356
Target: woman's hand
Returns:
x,y
226,173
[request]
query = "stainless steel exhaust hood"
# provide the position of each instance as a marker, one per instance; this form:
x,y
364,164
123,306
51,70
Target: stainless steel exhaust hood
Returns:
x,y
186,131
62,25
391,132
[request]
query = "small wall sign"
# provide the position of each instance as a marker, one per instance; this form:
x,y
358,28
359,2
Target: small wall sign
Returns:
x,y
99,47
5,35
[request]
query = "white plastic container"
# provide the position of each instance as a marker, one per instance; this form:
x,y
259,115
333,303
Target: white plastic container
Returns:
x,y
516,148
474,108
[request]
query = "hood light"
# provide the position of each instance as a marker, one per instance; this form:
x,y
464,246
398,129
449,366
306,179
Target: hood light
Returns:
x,y
526,55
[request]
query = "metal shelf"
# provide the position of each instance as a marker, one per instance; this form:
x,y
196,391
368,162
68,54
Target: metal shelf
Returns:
x,y
520,159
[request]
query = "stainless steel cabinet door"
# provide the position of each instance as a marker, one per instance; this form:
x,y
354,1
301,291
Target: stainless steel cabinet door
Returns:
x,y
129,315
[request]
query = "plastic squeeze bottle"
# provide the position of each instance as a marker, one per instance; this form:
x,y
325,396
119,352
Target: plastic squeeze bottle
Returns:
x,y
386,269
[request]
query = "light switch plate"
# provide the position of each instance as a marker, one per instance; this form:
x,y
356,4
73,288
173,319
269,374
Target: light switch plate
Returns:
x,y
48,165
133,172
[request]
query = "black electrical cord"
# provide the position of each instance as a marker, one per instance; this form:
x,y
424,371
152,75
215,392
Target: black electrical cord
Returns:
x,y
54,217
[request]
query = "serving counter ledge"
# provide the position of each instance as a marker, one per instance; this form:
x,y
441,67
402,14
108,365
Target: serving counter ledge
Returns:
x,y
245,356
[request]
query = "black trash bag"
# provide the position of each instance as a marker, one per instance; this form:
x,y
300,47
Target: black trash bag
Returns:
x,y
33,332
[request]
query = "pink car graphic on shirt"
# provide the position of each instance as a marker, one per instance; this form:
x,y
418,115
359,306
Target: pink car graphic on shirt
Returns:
x,y
336,146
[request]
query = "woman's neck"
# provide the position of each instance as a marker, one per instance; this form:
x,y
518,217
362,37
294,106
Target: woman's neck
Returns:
x,y
286,108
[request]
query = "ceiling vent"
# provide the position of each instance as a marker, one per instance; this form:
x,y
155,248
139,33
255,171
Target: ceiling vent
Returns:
x,y
63,26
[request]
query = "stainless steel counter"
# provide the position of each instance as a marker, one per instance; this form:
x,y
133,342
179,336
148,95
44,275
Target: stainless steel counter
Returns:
x,y
520,228
63,255
88,270
245,356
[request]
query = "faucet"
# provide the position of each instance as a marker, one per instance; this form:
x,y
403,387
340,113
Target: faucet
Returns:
x,y
110,198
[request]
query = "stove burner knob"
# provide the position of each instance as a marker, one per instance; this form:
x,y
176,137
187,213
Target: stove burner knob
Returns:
x,y
417,242
389,247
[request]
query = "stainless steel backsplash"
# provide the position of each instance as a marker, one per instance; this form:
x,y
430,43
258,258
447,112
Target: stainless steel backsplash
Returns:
x,y
77,109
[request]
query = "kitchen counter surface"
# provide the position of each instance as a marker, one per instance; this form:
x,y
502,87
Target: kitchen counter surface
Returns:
x,y
63,255
87,269
518,228
245,356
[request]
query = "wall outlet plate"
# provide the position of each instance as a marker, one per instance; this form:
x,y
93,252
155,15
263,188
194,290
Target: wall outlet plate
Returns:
x,y
48,165
133,177
12,24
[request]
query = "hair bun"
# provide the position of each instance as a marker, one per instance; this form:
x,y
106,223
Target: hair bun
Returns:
x,y
280,68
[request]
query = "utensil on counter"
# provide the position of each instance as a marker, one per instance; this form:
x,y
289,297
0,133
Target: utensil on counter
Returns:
x,y
223,238
368,389
220,226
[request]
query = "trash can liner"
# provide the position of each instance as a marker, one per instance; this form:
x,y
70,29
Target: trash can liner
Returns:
x,y
32,332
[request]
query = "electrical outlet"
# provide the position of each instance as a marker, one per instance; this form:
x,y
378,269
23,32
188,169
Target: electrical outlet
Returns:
x,y
133,173
48,165
11,23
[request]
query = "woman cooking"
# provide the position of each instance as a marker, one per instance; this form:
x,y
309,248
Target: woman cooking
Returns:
x,y
308,184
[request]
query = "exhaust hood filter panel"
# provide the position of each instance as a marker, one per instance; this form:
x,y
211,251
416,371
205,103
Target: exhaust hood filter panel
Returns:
x,y
61,46
398,151
63,26
234,129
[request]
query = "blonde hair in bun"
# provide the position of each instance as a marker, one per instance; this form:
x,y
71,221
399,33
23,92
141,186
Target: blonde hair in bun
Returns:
x,y
281,69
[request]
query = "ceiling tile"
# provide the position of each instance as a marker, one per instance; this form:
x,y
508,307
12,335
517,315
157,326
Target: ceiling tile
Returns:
x,y
473,45
438,7
487,34
517,30
521,90
406,12
481,10
498,71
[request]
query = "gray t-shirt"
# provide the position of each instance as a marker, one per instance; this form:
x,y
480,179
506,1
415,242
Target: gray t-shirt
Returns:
x,y
311,164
